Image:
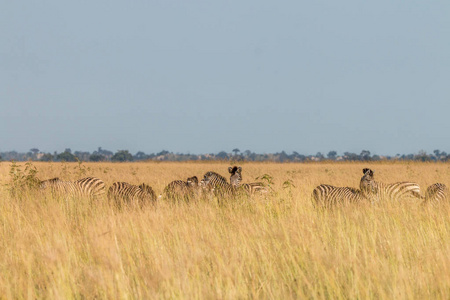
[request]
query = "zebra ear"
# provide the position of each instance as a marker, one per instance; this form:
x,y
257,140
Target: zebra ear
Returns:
x,y
239,169
230,170
367,171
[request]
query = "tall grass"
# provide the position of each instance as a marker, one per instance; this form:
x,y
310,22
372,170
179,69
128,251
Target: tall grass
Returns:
x,y
275,247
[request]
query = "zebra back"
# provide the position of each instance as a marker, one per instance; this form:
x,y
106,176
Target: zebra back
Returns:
x,y
218,184
91,186
179,189
393,191
435,193
254,187
151,195
326,195
124,192
85,187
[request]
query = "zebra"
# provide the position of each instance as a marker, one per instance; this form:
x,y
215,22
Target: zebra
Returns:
x,y
249,188
181,189
326,195
86,187
217,184
436,193
123,192
393,191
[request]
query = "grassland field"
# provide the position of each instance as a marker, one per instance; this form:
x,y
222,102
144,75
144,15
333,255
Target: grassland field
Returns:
x,y
275,246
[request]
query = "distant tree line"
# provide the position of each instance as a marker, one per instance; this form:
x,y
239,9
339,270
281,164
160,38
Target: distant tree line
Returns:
x,y
124,155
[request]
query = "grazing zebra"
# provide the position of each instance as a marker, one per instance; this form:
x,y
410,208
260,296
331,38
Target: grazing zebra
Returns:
x,y
217,184
249,188
393,191
86,187
326,195
179,189
436,193
123,192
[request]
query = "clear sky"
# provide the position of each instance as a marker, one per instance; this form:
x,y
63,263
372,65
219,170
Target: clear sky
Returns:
x,y
206,76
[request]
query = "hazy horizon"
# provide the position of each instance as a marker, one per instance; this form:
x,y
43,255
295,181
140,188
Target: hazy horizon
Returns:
x,y
230,151
204,77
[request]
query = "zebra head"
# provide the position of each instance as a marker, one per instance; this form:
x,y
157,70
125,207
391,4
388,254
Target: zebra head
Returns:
x,y
236,175
368,184
206,186
204,183
192,181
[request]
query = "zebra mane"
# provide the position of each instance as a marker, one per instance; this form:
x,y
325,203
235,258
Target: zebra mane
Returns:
x,y
146,188
212,174
52,180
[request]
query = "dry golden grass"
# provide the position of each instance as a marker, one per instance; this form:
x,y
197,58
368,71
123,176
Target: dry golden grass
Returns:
x,y
276,247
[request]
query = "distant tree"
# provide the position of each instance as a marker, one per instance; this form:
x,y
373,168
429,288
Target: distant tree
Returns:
x,y
422,156
101,151
82,155
222,155
34,151
332,155
66,156
236,151
46,157
247,153
122,155
140,156
68,150
351,156
164,152
282,157
408,156
97,157
365,155
297,156
319,155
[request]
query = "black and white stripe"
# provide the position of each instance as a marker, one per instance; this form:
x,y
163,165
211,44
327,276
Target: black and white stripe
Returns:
x,y
388,191
179,189
249,188
86,187
436,193
326,195
218,185
123,192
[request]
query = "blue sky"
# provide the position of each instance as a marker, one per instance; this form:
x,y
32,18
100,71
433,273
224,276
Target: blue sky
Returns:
x,y
206,76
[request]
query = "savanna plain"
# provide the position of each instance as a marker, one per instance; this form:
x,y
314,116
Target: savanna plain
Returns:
x,y
274,246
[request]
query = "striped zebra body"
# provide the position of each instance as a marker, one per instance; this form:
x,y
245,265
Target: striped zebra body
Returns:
x,y
388,191
248,188
179,189
218,184
86,187
326,195
436,193
254,187
123,192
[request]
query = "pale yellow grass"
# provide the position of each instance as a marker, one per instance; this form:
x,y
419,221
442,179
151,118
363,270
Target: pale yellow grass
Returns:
x,y
275,247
